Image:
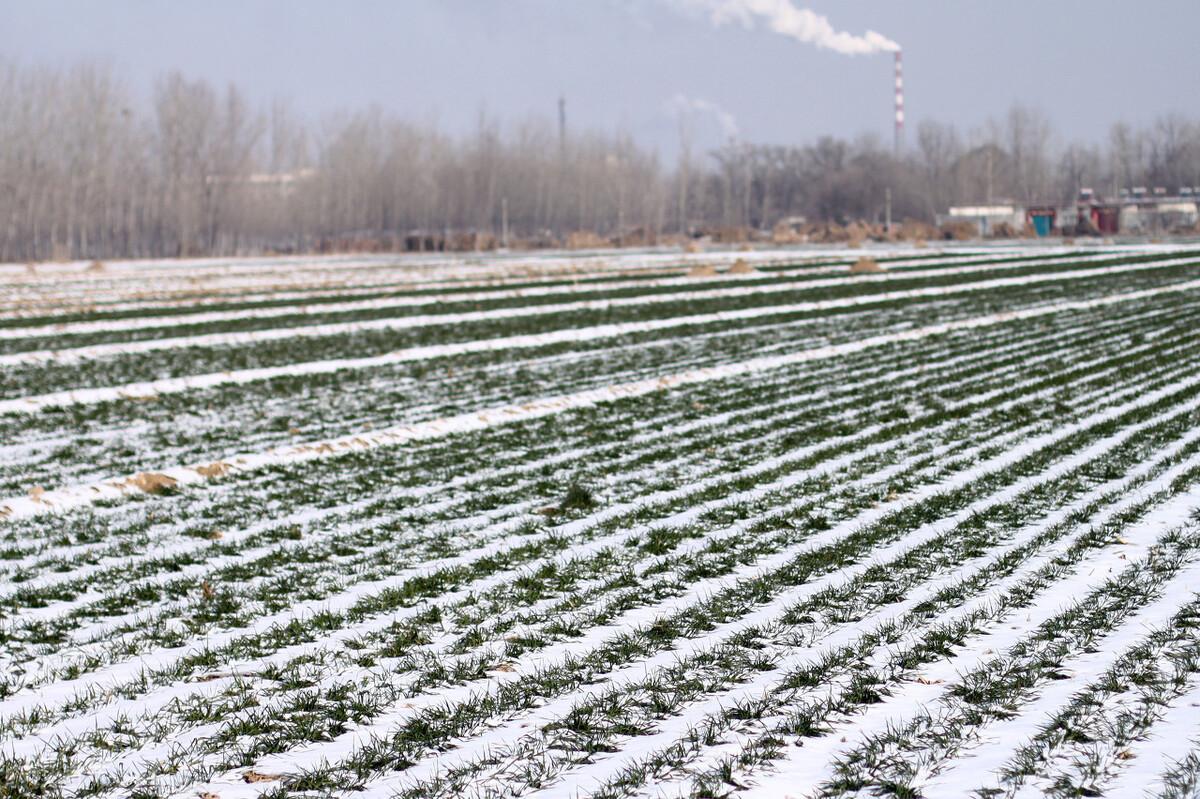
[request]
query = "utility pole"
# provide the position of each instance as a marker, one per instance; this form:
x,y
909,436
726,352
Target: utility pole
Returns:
x,y
887,211
504,222
991,149
898,132
685,157
562,128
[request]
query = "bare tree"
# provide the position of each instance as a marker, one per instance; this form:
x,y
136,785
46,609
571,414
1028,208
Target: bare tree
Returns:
x,y
85,174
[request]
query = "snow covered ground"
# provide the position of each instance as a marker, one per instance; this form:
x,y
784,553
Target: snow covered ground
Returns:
x,y
611,524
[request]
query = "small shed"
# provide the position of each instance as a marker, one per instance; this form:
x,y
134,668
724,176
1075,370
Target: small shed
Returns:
x,y
1104,218
1042,218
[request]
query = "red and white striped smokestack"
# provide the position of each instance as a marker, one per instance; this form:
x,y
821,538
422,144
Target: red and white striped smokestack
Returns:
x,y
899,142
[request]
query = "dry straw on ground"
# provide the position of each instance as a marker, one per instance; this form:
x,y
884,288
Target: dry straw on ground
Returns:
x,y
585,240
702,270
152,482
214,469
96,266
959,231
784,233
857,233
740,267
1003,230
865,266
255,776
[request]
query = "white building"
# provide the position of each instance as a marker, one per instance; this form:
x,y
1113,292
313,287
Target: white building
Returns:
x,y
1159,214
986,218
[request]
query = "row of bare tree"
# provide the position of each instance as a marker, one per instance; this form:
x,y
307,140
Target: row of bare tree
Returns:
x,y
87,170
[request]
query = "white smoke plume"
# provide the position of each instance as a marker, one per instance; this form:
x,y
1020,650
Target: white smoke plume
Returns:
x,y
682,104
800,24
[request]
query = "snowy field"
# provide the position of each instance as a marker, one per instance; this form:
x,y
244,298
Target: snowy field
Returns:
x,y
638,524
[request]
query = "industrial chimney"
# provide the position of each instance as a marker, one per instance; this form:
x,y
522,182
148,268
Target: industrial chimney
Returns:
x,y
899,134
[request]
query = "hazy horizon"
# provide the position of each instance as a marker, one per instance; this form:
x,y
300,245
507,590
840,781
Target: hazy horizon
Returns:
x,y
621,63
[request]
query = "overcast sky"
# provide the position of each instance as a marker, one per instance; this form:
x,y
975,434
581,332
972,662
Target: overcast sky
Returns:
x,y
620,62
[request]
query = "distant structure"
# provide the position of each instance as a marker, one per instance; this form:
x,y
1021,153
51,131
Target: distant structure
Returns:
x,y
1136,211
562,127
1158,211
986,219
899,133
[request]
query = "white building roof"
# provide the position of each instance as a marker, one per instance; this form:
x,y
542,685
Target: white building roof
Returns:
x,y
983,210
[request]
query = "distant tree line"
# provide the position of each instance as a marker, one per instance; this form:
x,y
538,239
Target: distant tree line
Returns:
x,y
87,170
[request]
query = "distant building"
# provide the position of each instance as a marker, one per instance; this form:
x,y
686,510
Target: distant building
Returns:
x,y
986,218
1159,212
1043,219
1137,211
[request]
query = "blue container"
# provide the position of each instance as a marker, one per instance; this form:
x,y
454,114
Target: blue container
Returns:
x,y
1042,224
